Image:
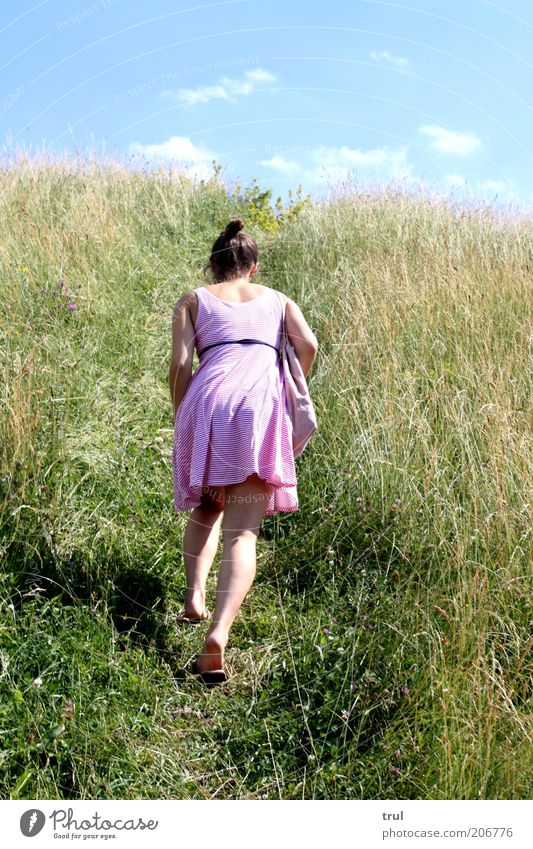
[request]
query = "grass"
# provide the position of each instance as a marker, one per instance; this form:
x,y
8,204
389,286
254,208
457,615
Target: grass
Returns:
x,y
384,650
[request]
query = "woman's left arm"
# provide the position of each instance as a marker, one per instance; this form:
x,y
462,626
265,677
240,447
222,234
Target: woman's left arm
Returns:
x,y
180,369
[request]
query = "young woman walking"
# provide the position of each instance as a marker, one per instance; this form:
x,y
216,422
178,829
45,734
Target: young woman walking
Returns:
x,y
232,456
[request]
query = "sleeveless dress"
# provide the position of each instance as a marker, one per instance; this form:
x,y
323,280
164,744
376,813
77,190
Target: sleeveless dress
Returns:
x,y
233,419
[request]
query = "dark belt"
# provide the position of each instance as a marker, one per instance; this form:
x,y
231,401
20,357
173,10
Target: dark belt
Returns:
x,y
234,341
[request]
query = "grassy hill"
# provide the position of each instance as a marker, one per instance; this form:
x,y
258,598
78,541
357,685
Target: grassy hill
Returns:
x,y
384,650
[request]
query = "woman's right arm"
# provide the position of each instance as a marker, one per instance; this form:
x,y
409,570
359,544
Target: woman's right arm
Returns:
x,y
301,337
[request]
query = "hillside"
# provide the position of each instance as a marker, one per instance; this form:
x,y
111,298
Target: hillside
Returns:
x,y
384,650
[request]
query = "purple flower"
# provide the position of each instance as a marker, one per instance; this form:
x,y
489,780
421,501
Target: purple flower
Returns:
x,y
405,690
325,630
396,771
41,291
72,307
61,282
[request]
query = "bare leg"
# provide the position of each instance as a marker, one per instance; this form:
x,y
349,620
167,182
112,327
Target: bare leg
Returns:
x,y
244,507
200,543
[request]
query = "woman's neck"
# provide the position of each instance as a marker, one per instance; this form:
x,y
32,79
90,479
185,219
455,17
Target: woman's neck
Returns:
x,y
237,281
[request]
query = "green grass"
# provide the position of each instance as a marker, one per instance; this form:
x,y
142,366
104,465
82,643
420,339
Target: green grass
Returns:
x,y
384,650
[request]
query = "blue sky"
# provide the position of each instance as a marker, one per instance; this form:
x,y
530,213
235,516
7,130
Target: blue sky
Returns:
x,y
431,93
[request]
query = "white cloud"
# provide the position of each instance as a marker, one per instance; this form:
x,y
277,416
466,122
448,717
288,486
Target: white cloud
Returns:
x,y
197,160
385,56
284,166
260,75
454,180
504,189
446,141
333,164
494,185
226,88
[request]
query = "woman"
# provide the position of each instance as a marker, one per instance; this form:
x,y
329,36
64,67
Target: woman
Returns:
x,y
232,456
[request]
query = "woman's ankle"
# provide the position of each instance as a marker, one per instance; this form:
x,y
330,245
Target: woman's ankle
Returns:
x,y
195,602
217,636
212,656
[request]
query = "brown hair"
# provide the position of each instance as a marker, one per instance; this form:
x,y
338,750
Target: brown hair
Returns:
x,y
233,253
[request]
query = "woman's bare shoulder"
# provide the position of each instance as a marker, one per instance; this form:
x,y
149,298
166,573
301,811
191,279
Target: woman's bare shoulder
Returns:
x,y
186,300
285,298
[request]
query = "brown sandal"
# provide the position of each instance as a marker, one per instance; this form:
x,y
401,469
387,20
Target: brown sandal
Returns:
x,y
185,620
209,676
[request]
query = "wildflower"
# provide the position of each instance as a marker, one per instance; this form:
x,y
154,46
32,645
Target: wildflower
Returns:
x,y
68,710
325,630
354,686
396,771
37,682
41,290
405,690
72,307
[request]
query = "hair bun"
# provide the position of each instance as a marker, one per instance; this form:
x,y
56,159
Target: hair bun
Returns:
x,y
234,226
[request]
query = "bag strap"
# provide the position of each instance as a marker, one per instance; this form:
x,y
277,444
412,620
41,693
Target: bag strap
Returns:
x,y
283,339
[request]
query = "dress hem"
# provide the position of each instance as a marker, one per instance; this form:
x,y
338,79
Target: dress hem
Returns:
x,y
254,472
197,498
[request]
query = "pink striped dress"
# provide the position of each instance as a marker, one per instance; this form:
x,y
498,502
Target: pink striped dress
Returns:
x,y
233,420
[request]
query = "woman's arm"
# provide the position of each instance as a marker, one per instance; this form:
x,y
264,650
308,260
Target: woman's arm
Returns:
x,y
301,337
180,369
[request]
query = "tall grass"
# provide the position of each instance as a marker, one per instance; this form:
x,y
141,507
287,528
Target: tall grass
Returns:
x,y
384,650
